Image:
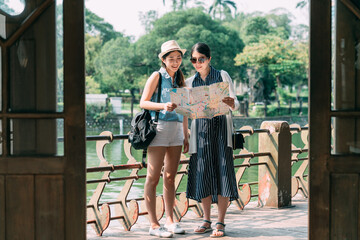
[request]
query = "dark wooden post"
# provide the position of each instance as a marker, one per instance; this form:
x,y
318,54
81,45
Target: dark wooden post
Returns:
x,y
275,176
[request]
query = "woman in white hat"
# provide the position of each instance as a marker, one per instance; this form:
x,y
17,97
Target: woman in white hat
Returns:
x,y
165,149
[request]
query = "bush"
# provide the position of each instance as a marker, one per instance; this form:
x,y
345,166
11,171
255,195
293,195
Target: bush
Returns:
x,y
99,113
273,110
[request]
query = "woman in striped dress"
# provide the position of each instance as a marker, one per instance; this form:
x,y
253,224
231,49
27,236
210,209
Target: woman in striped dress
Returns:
x,y
211,175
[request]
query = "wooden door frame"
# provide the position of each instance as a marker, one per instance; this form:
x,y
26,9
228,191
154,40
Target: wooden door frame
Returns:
x,y
74,110
71,167
319,117
327,171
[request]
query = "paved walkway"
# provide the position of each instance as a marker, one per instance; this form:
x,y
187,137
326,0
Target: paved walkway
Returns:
x,y
252,223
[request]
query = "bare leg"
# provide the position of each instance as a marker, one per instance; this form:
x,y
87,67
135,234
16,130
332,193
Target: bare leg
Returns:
x,y
172,158
154,166
206,204
223,203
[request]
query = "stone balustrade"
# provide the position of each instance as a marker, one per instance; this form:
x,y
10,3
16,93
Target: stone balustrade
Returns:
x,y
281,168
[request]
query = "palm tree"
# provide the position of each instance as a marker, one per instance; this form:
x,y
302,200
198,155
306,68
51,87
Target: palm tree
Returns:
x,y
222,6
302,4
177,5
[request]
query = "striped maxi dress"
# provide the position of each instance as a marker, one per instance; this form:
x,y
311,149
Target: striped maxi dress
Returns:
x,y
211,168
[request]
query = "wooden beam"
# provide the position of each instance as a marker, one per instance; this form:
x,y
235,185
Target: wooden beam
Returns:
x,y
74,124
29,21
319,118
352,7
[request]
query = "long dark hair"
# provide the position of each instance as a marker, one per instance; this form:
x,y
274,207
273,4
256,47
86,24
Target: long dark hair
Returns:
x,y
202,48
179,76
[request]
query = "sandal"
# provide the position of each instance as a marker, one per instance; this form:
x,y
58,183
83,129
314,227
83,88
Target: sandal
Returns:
x,y
203,229
215,233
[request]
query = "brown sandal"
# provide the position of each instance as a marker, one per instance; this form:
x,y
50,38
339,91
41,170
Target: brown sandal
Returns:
x,y
203,229
216,231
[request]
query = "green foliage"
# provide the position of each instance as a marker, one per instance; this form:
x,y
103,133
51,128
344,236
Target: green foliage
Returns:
x,y
284,111
302,4
91,86
279,21
273,110
147,19
187,28
284,96
93,45
99,113
177,5
222,8
300,33
96,25
115,62
254,28
115,65
283,60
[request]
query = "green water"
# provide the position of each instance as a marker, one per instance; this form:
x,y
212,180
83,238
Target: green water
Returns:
x,y
114,154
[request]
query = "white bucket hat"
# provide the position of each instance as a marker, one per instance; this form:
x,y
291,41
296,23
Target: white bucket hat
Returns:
x,y
170,46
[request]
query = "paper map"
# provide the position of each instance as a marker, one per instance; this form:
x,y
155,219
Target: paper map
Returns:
x,y
201,102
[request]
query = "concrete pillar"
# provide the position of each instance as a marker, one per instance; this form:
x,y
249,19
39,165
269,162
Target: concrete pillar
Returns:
x,y
275,176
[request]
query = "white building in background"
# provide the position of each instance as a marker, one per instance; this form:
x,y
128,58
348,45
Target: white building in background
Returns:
x,y
99,99
116,103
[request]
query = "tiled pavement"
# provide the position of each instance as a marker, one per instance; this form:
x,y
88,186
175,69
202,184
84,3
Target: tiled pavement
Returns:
x,y
249,224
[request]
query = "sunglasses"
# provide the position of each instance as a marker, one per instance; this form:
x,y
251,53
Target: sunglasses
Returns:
x,y
199,60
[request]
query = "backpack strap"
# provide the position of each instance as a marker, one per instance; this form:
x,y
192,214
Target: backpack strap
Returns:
x,y
158,97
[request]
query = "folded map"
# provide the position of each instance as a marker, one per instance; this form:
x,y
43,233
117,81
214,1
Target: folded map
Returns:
x,y
201,102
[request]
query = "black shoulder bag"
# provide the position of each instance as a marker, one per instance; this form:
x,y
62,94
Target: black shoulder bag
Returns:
x,y
143,128
237,138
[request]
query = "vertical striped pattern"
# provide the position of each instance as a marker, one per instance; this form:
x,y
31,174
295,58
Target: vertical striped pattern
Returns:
x,y
211,169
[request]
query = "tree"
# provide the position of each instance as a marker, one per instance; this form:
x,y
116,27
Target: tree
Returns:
x,y
279,20
302,4
177,5
301,33
254,27
115,67
91,86
221,7
96,25
188,27
147,19
93,45
279,59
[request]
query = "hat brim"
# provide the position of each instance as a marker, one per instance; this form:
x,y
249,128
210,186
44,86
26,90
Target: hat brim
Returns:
x,y
171,50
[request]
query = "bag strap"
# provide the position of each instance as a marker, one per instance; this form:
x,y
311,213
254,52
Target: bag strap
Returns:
x,y
158,97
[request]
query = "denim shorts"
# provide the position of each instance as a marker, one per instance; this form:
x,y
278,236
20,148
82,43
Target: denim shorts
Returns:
x,y
168,133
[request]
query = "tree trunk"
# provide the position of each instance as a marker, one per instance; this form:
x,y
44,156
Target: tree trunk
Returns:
x,y
132,102
298,91
278,87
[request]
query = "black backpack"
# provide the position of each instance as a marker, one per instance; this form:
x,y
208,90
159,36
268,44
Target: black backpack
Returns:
x,y
143,128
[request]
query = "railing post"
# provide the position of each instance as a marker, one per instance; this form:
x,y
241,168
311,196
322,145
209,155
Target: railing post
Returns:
x,y
275,176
